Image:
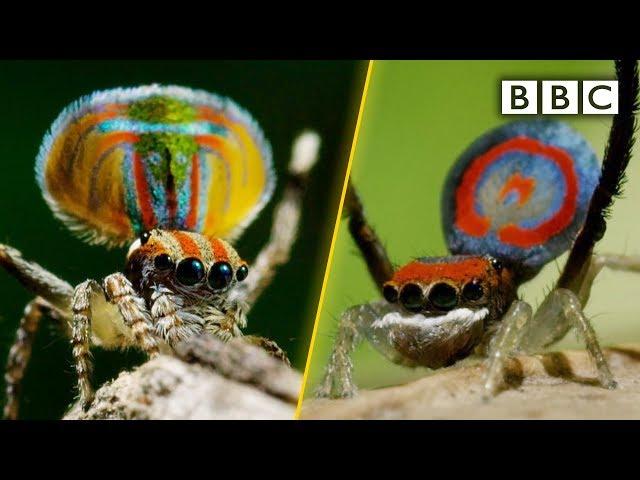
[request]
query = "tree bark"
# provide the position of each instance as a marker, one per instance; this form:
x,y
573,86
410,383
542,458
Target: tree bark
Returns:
x,y
205,379
560,385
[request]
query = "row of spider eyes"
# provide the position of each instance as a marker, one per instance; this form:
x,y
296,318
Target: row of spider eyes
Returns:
x,y
441,295
191,271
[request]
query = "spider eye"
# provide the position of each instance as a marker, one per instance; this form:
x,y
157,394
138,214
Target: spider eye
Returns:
x,y
496,264
190,271
220,275
412,297
242,273
443,296
163,262
144,237
390,293
473,291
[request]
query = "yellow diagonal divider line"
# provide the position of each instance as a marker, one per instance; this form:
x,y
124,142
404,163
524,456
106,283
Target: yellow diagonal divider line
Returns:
x,y
336,227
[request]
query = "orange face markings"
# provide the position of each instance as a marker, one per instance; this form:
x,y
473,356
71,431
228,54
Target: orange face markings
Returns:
x,y
187,244
458,271
219,250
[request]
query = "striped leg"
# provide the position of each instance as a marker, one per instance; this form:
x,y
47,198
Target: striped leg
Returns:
x,y
81,337
269,346
19,355
286,219
120,292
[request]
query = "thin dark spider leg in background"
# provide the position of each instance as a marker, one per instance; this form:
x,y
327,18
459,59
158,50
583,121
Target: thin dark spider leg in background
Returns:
x,y
374,253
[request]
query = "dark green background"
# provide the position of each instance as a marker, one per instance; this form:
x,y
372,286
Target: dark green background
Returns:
x,y
285,97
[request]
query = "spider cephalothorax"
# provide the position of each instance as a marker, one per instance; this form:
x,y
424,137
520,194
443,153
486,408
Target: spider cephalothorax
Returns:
x,y
197,272
178,174
517,198
449,304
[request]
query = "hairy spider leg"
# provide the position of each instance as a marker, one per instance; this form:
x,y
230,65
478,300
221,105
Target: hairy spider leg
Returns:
x,y
371,248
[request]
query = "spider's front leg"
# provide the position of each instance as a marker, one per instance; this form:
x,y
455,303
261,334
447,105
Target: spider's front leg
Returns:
x,y
118,291
564,306
505,342
81,337
338,374
561,310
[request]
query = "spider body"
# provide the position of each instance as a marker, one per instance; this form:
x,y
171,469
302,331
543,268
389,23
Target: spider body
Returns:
x,y
177,174
517,198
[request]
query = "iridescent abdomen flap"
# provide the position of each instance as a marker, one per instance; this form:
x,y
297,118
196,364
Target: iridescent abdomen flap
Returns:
x,y
126,160
520,192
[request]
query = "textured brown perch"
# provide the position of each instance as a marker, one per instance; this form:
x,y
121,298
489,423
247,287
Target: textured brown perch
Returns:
x,y
553,385
206,379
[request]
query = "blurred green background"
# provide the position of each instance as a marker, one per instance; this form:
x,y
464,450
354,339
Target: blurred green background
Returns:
x,y
419,116
284,97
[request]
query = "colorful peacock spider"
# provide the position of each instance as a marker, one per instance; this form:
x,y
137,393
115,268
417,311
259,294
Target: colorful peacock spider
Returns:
x,y
517,198
177,174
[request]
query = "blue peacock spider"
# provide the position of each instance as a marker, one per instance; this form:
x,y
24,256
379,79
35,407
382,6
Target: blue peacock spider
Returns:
x,y
439,310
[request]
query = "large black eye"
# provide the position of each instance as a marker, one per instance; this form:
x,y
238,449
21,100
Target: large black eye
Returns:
x,y
163,262
390,293
242,273
443,296
473,291
411,297
190,271
144,237
220,275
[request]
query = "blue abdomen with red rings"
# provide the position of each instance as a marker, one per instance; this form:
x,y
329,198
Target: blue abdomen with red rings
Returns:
x,y
520,193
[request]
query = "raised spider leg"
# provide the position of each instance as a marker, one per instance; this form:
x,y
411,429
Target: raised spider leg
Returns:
x,y
338,374
373,252
505,342
285,221
20,353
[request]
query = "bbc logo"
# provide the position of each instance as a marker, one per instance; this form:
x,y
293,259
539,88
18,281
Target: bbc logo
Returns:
x,y
599,97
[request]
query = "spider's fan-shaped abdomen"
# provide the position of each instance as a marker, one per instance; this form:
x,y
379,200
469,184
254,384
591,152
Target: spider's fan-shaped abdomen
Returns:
x,y
125,160
520,193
